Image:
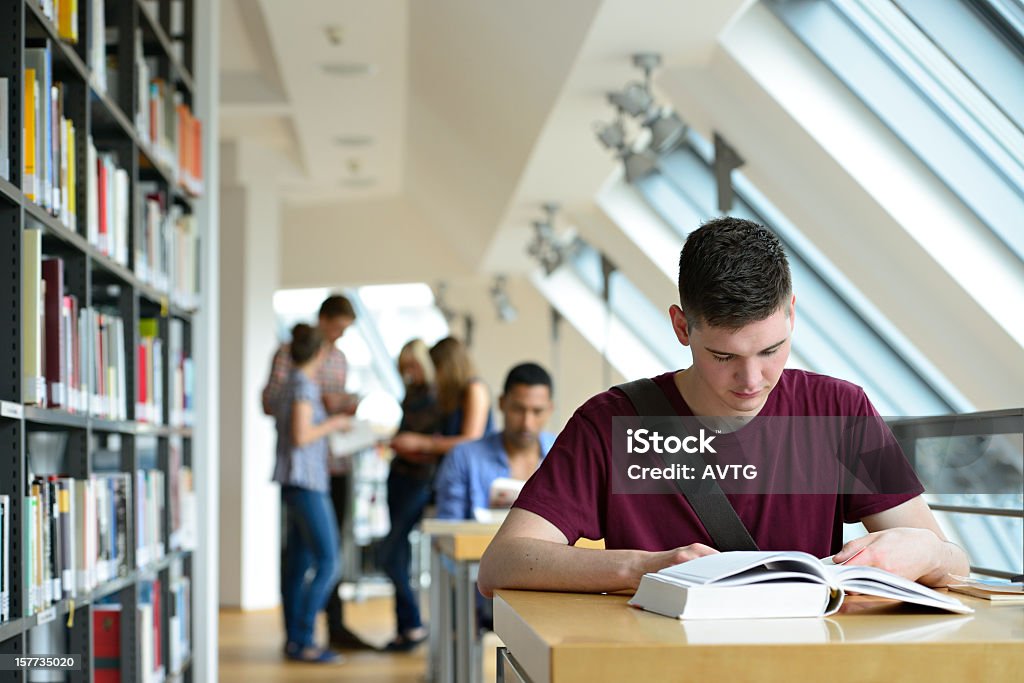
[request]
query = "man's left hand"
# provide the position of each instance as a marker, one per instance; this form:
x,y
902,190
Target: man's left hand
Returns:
x,y
906,551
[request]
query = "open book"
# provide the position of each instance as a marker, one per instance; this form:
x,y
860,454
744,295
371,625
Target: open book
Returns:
x,y
766,584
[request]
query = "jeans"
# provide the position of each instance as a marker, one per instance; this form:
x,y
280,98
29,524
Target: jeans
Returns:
x,y
312,543
335,608
407,497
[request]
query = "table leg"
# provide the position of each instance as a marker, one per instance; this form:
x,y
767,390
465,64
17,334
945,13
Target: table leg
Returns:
x,y
465,624
435,634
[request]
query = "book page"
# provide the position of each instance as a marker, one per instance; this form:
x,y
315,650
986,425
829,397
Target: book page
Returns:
x,y
878,582
714,568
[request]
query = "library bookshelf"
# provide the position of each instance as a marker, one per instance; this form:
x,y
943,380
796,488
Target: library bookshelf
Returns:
x,y
100,177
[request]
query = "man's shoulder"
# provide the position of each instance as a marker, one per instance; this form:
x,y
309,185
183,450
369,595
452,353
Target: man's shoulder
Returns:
x,y
470,449
814,380
810,393
614,402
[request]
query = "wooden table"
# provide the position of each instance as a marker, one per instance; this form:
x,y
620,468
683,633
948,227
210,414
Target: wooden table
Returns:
x,y
455,551
569,637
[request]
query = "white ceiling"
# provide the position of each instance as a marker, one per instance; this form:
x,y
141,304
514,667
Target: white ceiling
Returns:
x,y
477,111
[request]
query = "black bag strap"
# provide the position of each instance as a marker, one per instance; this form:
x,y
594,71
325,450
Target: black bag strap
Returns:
x,y
715,511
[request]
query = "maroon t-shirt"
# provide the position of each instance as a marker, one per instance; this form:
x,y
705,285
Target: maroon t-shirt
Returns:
x,y
572,489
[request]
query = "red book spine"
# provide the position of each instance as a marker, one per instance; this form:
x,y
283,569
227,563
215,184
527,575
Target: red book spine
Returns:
x,y
53,274
101,203
106,643
157,661
142,380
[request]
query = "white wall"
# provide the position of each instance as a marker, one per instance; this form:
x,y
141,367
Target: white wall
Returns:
x,y
250,503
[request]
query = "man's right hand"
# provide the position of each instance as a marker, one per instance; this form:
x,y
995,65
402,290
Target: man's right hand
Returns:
x,y
531,553
648,562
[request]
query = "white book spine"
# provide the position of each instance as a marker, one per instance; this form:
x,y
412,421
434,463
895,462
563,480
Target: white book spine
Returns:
x,y
5,558
5,154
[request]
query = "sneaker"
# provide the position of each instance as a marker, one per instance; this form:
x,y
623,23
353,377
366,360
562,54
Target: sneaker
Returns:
x,y
403,643
347,640
315,655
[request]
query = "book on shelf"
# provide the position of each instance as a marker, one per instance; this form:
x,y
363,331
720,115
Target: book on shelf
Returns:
x,y
29,179
183,259
38,63
104,364
75,536
5,558
767,584
180,376
106,642
5,153
149,516
53,275
98,44
149,373
107,207
33,390
178,622
150,611
67,20
181,499
49,137
58,337
153,246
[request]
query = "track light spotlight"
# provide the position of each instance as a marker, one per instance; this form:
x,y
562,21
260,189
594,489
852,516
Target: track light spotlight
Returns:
x,y
499,295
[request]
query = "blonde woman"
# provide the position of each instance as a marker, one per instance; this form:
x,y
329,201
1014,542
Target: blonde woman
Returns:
x,y
430,428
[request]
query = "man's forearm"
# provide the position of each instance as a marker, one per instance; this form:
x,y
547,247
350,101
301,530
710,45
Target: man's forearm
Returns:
x,y
532,564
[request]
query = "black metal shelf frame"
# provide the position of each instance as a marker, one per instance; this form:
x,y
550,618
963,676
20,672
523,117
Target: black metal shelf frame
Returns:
x,y
93,277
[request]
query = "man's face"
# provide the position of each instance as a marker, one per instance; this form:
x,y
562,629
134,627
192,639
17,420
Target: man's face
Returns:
x,y
734,371
333,328
526,408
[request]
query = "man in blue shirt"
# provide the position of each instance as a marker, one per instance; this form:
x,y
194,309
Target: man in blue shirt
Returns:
x,y
464,481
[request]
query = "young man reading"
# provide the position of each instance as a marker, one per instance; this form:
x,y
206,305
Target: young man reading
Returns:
x,y
464,482
736,313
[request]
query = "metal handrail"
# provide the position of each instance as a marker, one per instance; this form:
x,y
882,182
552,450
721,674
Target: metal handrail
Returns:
x,y
966,509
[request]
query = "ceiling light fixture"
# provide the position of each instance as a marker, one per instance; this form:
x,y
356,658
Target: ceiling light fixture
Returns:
x,y
637,164
545,246
507,313
636,99
349,69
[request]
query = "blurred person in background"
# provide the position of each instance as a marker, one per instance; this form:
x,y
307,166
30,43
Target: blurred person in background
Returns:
x,y
463,414
336,315
301,468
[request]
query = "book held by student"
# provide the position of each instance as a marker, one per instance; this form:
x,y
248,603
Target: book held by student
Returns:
x,y
766,584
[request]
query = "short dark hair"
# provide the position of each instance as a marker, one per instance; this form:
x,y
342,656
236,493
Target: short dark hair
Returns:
x,y
529,374
337,306
732,272
306,343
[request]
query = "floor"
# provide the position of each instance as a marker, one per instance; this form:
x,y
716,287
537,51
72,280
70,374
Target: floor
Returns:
x,y
250,649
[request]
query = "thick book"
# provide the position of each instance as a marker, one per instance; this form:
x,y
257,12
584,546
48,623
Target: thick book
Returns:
x,y
995,590
766,584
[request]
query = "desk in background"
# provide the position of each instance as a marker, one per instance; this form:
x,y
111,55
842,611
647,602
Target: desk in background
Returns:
x,y
455,551
574,637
